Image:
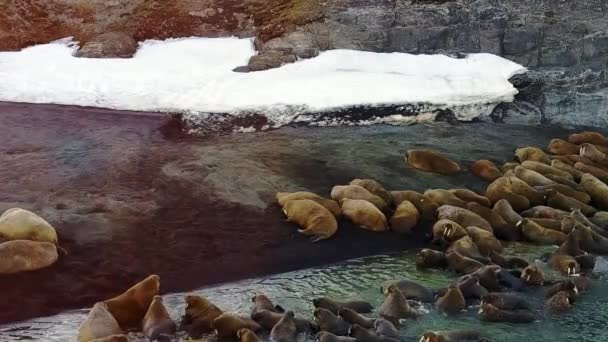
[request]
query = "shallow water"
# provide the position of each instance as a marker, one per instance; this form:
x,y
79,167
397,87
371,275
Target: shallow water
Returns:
x,y
361,279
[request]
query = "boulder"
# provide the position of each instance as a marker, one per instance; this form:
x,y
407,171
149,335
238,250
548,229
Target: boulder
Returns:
x,y
24,255
269,59
109,45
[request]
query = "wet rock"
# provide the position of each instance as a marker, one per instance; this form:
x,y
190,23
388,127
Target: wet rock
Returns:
x,y
24,255
269,59
109,45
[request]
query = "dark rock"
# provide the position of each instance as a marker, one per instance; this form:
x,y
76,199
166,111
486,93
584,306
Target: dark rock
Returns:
x,y
269,59
109,45
243,69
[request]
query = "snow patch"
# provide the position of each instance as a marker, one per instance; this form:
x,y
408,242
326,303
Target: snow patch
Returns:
x,y
194,76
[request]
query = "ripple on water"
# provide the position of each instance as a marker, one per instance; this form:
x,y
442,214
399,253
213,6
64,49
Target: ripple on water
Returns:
x,y
361,279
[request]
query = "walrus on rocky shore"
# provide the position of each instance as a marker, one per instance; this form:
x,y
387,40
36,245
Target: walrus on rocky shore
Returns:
x,y
597,189
452,302
246,335
568,286
426,206
405,218
533,275
410,289
314,219
448,230
565,264
20,224
268,319
572,159
356,192
157,323
285,329
353,317
560,302
486,170
484,212
428,258
507,261
262,302
452,336
334,305
25,255
130,307
471,196
328,321
565,190
518,193
594,154
431,161
490,313
461,264
578,216
570,247
375,188
562,147
385,328
463,217
552,224
598,173
466,247
485,241
558,200
488,277
331,205
545,169
564,181
199,315
533,178
542,211
99,324
531,153
589,240
395,306
560,165
541,235
364,214
445,197
503,209
364,335
588,137
227,325
326,336
505,301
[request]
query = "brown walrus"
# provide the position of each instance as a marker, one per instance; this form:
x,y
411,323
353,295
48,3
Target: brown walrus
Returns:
x,y
518,193
505,301
285,330
490,313
466,247
462,264
568,286
428,258
503,209
558,200
541,235
262,302
157,323
364,335
356,192
452,336
560,165
326,336
542,211
25,255
597,189
448,230
334,306
353,317
385,328
531,153
331,205
314,219
364,214
594,154
560,302
21,224
130,307
431,161
246,335
99,324
507,261
375,188
268,319
486,170
488,277
580,196
328,321
533,178
410,289
227,325
597,172
199,315
112,338
588,137
395,306
548,223
533,275
443,197
463,217
545,169
405,218
426,206
452,302
471,196
485,241
562,147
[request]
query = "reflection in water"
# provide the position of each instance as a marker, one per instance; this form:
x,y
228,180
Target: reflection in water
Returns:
x,y
360,279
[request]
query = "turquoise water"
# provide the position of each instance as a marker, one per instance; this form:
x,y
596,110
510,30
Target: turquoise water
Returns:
x,y
361,279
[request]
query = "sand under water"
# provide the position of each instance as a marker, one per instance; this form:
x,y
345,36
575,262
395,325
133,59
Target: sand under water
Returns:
x,y
131,195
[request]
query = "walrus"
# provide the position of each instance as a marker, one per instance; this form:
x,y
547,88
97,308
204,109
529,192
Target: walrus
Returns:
x,y
410,289
505,301
452,336
532,178
560,302
565,190
531,153
431,161
395,306
597,189
588,137
428,258
533,275
246,335
199,315
490,313
314,219
326,336
542,211
334,305
486,170
328,321
448,230
484,240
443,197
130,307
600,219
507,261
470,196
586,262
331,205
227,325
503,209
375,188
589,240
572,159
463,217
285,330
484,212
470,287
511,279
545,170
364,214
598,173
578,215
560,165
594,154
426,206
466,247
552,224
20,224
568,286
558,200
452,302
570,247
262,302
385,328
356,192
565,264
353,317
541,235
582,283
364,335
509,166
461,264
562,147
268,319
25,255
488,277
99,324
405,218
564,181
112,338
501,189
157,323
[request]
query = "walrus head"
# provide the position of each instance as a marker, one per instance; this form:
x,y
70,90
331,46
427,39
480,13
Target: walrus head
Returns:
x,y
447,231
571,269
429,336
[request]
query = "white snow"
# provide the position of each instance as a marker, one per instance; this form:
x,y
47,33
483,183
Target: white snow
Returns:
x,y
194,76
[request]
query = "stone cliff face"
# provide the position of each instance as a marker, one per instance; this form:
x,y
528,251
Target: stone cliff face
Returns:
x,y
563,42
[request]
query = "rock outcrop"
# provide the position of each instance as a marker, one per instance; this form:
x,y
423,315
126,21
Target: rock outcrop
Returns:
x,y
109,45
